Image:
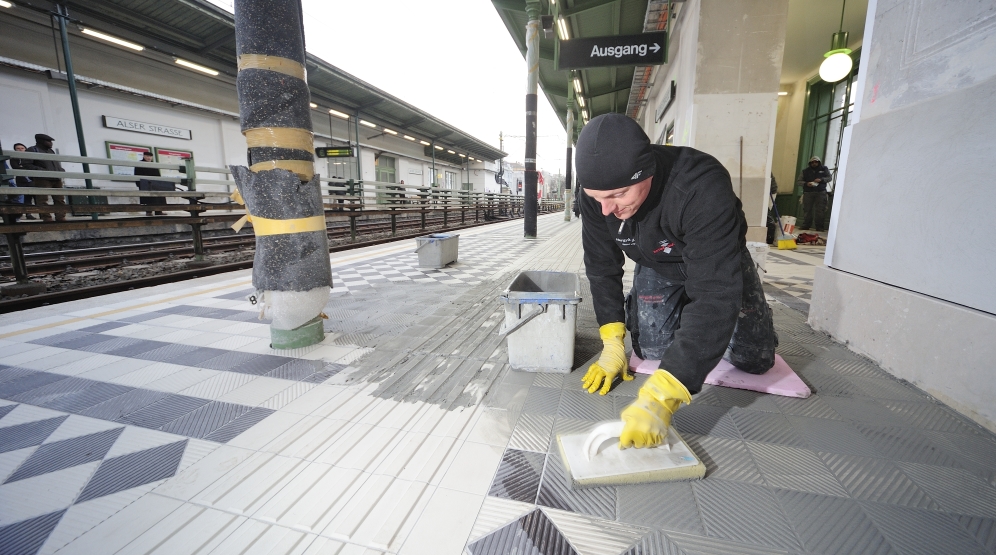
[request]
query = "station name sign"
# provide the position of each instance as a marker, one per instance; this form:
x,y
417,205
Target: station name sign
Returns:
x,y
335,152
144,127
627,50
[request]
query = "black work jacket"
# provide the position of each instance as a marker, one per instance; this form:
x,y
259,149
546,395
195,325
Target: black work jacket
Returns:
x,y
691,229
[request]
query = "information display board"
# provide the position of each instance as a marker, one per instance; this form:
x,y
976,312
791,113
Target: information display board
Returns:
x,y
123,151
172,156
335,152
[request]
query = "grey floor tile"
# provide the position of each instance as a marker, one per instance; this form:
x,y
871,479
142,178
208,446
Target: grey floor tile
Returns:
x,y
532,432
126,403
542,400
260,364
582,405
47,393
691,544
796,469
166,353
766,427
531,534
58,339
725,459
556,491
832,524
906,444
786,348
106,326
5,409
921,532
954,489
9,373
856,367
828,383
929,416
231,360
983,529
66,453
28,536
742,398
28,434
78,401
813,406
133,349
743,513
119,344
196,357
242,423
877,480
654,543
832,436
27,382
163,411
139,318
296,370
705,420
518,475
667,505
888,388
205,420
134,469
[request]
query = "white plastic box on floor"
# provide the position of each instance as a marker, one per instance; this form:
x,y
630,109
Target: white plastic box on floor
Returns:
x,y
540,319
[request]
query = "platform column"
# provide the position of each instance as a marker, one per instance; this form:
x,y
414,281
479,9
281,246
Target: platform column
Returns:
x,y
569,177
532,87
24,286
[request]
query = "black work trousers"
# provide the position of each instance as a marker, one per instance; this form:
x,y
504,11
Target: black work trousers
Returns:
x,y
814,203
653,313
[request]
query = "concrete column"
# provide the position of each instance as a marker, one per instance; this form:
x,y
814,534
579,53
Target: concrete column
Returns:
x,y
532,86
738,66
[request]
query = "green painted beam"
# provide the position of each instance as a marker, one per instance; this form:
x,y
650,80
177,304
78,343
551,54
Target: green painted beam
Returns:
x,y
581,7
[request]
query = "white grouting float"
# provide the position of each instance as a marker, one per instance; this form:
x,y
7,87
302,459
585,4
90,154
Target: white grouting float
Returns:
x,y
291,270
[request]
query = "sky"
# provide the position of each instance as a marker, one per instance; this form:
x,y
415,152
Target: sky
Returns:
x,y
451,58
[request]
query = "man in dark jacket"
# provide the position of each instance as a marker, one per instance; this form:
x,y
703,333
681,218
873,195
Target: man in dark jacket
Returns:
x,y
696,295
149,172
43,144
814,181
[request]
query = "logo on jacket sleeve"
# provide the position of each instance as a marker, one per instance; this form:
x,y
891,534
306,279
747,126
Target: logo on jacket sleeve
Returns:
x,y
664,247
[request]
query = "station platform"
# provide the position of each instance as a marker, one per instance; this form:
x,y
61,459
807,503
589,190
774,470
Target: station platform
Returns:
x,y
160,421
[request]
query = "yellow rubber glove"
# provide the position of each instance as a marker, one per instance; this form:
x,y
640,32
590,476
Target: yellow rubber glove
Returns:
x,y
647,419
611,362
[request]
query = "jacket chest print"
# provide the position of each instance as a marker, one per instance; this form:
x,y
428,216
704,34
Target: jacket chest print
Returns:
x,y
664,246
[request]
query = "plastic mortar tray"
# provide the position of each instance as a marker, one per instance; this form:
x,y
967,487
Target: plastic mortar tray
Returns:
x,y
540,319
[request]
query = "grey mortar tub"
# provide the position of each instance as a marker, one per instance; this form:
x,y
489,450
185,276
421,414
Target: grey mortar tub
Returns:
x,y
540,319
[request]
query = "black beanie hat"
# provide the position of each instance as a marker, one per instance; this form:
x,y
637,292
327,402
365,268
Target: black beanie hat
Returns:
x,y
613,152
42,137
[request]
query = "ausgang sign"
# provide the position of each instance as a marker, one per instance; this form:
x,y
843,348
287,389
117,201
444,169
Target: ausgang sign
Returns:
x,y
630,50
145,127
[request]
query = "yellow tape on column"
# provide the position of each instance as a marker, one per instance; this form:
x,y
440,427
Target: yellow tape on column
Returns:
x,y
266,226
273,63
280,137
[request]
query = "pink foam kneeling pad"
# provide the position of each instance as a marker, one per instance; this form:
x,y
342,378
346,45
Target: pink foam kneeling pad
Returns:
x,y
780,380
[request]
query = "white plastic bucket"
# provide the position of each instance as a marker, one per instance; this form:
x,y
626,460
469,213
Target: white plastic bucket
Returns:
x,y
788,224
759,253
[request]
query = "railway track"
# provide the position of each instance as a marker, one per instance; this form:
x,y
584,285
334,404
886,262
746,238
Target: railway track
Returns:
x,y
175,247
80,260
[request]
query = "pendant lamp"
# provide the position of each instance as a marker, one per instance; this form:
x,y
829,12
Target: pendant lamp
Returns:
x,y
838,63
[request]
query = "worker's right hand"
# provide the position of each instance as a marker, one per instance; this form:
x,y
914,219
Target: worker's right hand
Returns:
x,y
611,363
646,420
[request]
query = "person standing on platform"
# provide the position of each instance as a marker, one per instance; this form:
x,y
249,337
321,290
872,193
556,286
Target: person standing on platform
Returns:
x,y
43,145
149,172
696,295
21,181
814,180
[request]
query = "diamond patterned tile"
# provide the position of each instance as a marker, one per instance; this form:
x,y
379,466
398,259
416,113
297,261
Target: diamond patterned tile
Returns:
x,y
582,405
5,409
518,476
813,406
832,525
644,505
906,444
79,401
242,423
113,344
117,407
766,427
533,534
723,505
67,453
929,416
542,400
556,491
28,434
167,352
532,433
261,364
48,393
832,436
297,369
725,459
877,480
163,411
231,360
655,543
797,469
134,469
920,532
106,326
196,357
705,420
16,386
956,490
984,530
28,536
64,337
205,420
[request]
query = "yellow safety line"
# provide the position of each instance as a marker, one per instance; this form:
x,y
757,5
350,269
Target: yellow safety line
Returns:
x,y
273,63
117,310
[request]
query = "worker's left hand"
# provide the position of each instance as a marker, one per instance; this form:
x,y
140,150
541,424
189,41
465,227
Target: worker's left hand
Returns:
x,y
611,363
647,419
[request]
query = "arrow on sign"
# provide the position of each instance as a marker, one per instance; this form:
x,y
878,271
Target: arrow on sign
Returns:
x,y
656,47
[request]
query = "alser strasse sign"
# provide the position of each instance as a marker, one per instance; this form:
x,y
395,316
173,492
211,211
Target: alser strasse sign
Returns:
x,y
145,127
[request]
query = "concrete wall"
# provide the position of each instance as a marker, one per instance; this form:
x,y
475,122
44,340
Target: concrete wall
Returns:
x,y
914,201
788,133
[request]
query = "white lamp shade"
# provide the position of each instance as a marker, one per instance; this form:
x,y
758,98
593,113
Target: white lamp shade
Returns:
x,y
836,67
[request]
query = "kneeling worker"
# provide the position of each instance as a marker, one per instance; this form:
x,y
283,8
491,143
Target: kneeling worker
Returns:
x,y
696,295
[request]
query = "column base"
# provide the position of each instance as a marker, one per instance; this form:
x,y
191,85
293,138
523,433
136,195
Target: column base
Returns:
x,y
309,334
